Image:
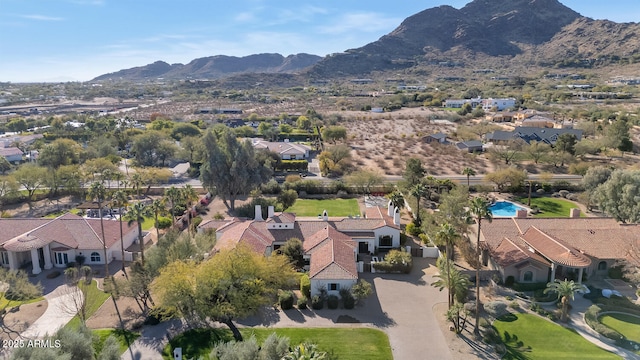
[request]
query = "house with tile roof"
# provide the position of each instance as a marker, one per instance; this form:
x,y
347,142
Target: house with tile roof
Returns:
x,y
287,150
48,243
331,245
543,249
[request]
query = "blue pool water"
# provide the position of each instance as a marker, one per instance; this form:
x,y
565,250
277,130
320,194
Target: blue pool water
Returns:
x,y
504,208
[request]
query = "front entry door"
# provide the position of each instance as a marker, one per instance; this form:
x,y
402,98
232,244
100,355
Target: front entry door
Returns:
x,y
363,247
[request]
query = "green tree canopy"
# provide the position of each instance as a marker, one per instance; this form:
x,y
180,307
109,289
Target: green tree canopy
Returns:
x,y
334,133
59,152
182,130
619,196
414,171
152,148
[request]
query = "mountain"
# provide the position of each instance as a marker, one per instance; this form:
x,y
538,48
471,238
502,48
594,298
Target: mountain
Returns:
x,y
216,67
484,32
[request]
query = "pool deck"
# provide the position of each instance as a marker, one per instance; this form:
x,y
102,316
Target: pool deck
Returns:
x,y
498,199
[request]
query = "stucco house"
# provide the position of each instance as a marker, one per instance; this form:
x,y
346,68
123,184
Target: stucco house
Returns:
x,y
331,245
48,243
470,146
287,150
543,249
12,154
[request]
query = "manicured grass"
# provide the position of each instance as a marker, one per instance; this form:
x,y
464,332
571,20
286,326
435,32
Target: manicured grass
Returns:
x,y
629,326
547,340
59,213
8,304
124,337
95,299
148,223
550,207
344,343
334,207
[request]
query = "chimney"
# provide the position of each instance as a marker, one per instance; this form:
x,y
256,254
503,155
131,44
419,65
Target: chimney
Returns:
x,y
258,213
390,208
325,216
574,213
270,212
521,214
396,216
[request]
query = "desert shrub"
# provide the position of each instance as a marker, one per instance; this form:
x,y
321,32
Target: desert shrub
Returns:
x,y
395,261
496,308
302,302
615,272
20,288
272,187
164,223
317,303
361,290
413,230
285,298
349,301
508,297
305,285
514,305
508,282
332,302
483,323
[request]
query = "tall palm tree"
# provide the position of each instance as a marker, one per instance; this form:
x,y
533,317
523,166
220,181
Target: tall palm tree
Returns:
x,y
418,191
98,193
566,291
456,282
468,172
158,208
120,200
189,195
479,209
173,196
137,212
447,235
107,176
136,183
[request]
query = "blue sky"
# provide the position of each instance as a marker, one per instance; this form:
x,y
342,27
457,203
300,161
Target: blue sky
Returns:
x,y
76,40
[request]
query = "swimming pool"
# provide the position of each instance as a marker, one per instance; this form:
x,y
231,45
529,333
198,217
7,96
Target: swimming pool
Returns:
x,y
504,208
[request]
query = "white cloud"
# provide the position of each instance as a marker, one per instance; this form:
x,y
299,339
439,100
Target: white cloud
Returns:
x,y
359,22
41,17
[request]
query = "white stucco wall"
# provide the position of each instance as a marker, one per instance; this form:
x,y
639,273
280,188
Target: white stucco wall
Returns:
x,y
386,230
316,285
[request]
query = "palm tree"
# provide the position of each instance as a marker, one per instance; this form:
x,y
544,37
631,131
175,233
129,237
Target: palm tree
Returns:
x,y
99,193
447,235
158,208
137,212
456,282
469,172
396,198
418,191
479,209
566,291
189,195
120,200
173,196
136,183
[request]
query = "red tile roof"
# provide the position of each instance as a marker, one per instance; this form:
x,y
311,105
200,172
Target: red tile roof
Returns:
x,y
554,249
334,259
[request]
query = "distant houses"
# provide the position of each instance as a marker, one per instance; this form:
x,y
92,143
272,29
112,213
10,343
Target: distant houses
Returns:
x,y
467,146
529,134
487,104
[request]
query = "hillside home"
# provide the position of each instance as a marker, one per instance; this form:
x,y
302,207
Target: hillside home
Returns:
x,y
458,103
543,249
436,138
48,243
470,146
499,104
331,245
529,134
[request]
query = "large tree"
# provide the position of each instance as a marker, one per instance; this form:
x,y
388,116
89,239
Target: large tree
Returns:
x,y
479,209
468,172
447,235
414,171
59,152
566,291
364,180
620,196
31,177
566,144
230,168
136,214
152,148
419,191
233,284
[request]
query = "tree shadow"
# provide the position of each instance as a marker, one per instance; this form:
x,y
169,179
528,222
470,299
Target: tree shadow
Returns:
x,y
514,349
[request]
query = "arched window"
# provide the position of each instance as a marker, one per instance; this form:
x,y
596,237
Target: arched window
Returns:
x,y
95,257
528,276
602,265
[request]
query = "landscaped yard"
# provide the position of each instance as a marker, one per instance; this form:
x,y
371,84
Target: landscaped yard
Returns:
x,y
95,299
547,340
124,337
334,207
550,207
344,343
7,304
627,325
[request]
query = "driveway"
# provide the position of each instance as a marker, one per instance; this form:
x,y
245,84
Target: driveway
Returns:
x,y
59,312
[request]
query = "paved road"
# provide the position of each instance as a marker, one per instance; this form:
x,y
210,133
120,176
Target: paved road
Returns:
x,y
60,311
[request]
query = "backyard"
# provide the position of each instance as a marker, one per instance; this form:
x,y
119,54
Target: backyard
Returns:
x,y
334,207
627,325
550,207
542,339
372,344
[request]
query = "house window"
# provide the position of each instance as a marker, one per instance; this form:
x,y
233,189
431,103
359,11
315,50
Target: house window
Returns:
x,y
602,265
528,276
61,258
5,258
95,257
386,241
334,287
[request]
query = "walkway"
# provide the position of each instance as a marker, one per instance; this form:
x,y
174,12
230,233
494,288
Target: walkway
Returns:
x,y
59,312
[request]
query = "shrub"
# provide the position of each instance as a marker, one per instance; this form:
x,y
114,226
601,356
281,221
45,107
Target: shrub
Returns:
x,y
361,290
305,285
164,223
496,308
317,303
412,229
332,302
395,261
285,298
514,304
272,187
509,297
196,221
615,272
349,301
520,287
302,302
509,281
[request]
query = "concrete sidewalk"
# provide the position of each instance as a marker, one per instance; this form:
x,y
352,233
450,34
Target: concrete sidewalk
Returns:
x,y
153,339
59,312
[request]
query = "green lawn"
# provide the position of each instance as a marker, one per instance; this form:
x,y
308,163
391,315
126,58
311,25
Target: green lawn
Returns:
x,y
547,340
343,343
629,326
124,337
8,304
95,299
550,207
334,207
148,223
